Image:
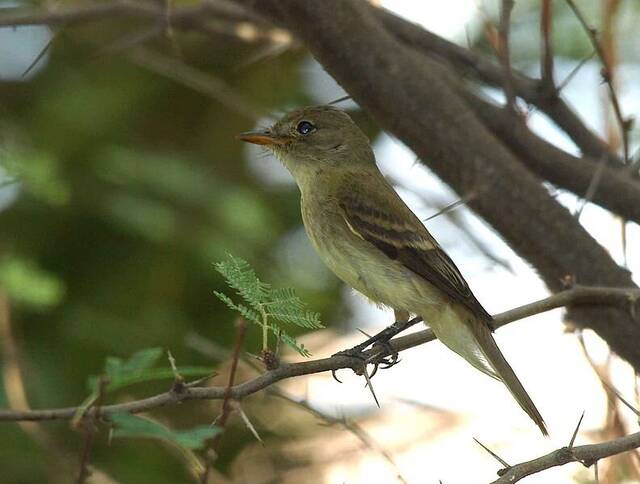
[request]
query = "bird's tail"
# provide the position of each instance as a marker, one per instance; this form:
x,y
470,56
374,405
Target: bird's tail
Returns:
x,y
473,341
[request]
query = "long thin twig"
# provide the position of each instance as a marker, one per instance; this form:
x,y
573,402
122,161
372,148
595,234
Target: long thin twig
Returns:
x,y
479,67
201,82
547,49
90,431
585,454
624,298
607,75
592,188
349,425
575,70
227,408
506,7
199,17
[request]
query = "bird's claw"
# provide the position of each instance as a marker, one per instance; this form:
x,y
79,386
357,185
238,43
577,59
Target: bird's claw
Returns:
x,y
376,360
384,362
333,374
351,353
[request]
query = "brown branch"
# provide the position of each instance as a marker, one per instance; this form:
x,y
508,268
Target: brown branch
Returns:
x,y
101,11
350,426
480,67
547,50
504,52
200,17
617,190
588,455
623,298
201,82
213,18
388,78
607,75
221,420
90,431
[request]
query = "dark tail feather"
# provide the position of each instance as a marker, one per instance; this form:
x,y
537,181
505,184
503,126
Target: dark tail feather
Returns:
x,y
507,375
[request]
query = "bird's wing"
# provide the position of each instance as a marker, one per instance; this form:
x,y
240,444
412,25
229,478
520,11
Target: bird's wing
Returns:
x,y
393,229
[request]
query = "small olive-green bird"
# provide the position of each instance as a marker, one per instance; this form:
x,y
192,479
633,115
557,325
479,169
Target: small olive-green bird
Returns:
x,y
370,239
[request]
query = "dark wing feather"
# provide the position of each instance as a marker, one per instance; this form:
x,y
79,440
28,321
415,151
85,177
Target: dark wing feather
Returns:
x,y
405,239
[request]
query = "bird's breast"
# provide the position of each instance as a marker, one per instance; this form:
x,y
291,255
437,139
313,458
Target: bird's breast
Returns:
x,y
357,262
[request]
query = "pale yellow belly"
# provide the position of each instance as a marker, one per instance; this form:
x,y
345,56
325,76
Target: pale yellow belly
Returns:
x,y
368,270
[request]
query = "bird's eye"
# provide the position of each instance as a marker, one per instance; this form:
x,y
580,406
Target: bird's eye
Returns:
x,y
305,127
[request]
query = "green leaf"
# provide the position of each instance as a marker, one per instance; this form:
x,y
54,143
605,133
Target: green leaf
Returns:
x,y
151,374
244,311
268,306
127,425
241,277
141,360
291,341
39,174
28,284
139,368
284,305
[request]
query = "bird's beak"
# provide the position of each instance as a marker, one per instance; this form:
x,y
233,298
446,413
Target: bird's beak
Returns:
x,y
262,138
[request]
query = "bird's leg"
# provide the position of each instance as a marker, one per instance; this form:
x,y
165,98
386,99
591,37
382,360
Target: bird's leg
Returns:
x,y
401,320
382,339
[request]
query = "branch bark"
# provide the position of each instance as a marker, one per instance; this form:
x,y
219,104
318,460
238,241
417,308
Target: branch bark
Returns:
x,y
544,159
479,67
415,98
618,191
626,299
585,454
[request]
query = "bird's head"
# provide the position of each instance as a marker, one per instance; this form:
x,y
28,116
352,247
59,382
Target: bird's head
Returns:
x,y
314,140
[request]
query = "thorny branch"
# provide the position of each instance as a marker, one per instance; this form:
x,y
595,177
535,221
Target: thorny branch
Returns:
x,y
198,17
221,420
607,75
251,27
587,455
626,298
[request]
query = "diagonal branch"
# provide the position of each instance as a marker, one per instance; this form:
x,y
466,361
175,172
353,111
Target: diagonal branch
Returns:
x,y
623,298
617,190
607,75
197,17
588,455
416,98
479,67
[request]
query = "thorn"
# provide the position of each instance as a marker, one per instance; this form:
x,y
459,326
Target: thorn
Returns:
x,y
375,370
172,361
374,356
617,394
340,99
247,422
595,470
200,381
493,454
366,377
575,432
366,334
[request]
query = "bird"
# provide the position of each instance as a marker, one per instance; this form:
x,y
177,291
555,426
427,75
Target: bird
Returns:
x,y
365,233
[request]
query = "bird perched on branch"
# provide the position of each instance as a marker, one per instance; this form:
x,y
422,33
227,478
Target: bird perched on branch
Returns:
x,y
370,239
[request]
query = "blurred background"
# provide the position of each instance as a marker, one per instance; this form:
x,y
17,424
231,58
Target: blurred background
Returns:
x,y
121,184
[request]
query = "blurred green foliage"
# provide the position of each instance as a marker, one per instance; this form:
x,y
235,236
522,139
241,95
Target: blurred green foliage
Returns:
x,y
119,190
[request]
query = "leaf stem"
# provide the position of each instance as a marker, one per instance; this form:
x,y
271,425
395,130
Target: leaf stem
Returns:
x,y
265,330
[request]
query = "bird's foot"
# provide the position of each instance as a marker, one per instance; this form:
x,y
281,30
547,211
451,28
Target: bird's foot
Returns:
x,y
381,355
355,352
